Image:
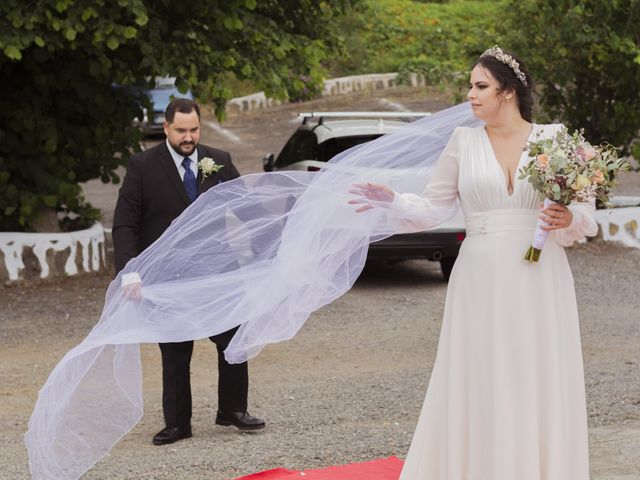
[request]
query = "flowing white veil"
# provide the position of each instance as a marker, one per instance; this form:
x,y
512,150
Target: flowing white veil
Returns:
x,y
263,252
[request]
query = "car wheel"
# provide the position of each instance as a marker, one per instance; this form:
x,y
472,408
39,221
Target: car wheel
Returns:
x,y
446,264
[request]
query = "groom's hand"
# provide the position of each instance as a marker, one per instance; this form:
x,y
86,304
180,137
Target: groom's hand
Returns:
x,y
132,285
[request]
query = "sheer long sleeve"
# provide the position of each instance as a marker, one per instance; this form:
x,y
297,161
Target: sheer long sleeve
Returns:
x,y
583,224
438,203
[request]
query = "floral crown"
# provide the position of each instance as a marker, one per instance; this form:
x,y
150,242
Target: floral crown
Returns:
x,y
497,53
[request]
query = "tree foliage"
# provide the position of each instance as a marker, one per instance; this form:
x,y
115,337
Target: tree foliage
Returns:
x,y
63,122
585,56
438,40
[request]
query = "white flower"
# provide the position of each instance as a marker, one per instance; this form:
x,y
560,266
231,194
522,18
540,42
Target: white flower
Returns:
x,y
208,166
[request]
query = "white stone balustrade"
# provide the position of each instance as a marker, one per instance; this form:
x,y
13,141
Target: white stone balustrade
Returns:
x,y
620,224
251,102
332,86
51,254
357,83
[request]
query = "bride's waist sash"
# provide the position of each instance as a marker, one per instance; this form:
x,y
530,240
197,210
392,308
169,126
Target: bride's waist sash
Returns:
x,y
504,220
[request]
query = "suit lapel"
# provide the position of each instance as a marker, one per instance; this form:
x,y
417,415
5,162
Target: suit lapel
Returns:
x,y
172,173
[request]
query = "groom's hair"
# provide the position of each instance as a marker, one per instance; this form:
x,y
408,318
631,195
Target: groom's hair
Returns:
x,y
182,105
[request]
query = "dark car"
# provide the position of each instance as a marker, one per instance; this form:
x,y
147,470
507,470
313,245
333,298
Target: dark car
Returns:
x,y
319,139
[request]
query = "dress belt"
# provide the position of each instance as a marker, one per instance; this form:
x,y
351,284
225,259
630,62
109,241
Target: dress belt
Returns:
x,y
504,220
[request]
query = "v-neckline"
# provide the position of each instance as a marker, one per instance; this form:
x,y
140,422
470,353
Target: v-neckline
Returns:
x,y
496,162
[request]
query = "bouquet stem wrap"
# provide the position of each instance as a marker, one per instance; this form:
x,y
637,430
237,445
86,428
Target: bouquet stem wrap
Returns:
x,y
539,237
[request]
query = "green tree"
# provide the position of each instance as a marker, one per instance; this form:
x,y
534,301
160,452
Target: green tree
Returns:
x,y
585,57
439,40
62,121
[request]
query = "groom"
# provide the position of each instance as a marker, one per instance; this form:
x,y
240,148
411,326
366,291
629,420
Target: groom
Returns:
x,y
159,185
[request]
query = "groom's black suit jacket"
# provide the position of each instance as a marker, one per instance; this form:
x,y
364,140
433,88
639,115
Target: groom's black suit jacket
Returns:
x,y
153,195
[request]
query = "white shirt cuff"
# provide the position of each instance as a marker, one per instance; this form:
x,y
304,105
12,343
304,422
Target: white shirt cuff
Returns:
x,y
131,278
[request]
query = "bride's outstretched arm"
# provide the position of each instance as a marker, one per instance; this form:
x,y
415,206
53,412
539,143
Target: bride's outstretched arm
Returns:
x,y
409,212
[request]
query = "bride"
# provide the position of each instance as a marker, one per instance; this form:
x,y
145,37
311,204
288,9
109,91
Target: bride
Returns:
x,y
506,398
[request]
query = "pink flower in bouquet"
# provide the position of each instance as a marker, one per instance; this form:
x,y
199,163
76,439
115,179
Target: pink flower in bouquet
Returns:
x,y
542,160
597,177
587,153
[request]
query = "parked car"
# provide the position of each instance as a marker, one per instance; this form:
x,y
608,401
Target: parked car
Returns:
x,y
322,135
164,91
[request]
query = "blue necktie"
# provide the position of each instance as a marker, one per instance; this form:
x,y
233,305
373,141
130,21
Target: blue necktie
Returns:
x,y
190,183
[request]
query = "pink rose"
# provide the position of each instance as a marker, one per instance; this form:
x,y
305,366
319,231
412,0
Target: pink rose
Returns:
x,y
542,160
586,154
597,177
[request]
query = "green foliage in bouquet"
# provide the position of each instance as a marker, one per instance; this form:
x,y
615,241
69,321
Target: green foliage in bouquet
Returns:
x,y
63,120
585,57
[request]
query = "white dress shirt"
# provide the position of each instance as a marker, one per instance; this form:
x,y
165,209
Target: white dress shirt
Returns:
x,y
177,158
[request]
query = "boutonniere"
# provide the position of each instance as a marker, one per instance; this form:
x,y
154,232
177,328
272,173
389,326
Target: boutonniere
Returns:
x,y
208,166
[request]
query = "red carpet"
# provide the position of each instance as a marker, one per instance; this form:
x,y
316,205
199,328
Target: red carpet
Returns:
x,y
383,469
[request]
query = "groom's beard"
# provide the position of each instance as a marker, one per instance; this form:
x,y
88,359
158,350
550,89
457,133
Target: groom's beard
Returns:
x,y
185,148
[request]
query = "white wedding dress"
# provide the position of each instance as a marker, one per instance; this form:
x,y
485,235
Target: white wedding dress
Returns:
x,y
506,399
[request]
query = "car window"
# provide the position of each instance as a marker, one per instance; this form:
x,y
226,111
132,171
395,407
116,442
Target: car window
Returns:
x,y
301,146
330,148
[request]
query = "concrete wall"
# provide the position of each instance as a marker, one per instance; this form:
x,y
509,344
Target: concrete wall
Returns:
x,y
620,224
25,256
332,86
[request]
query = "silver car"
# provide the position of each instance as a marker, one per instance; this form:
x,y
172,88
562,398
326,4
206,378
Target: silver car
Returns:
x,y
322,135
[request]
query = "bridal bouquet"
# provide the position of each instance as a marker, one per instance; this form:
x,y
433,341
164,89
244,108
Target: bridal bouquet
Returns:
x,y
565,169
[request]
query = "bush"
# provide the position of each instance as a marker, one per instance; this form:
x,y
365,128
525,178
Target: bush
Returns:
x,y
437,40
304,87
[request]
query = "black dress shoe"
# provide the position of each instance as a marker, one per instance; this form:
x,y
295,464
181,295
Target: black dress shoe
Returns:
x,y
171,435
242,420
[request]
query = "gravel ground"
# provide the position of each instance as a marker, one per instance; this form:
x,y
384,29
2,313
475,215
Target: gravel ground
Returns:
x,y
348,388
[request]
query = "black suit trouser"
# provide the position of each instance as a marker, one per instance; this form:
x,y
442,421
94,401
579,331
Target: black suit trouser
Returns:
x,y
233,381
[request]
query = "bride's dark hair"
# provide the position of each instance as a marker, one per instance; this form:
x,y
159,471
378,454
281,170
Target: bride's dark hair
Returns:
x,y
508,80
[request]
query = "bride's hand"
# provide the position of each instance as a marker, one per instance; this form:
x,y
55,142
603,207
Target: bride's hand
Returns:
x,y
370,192
556,216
